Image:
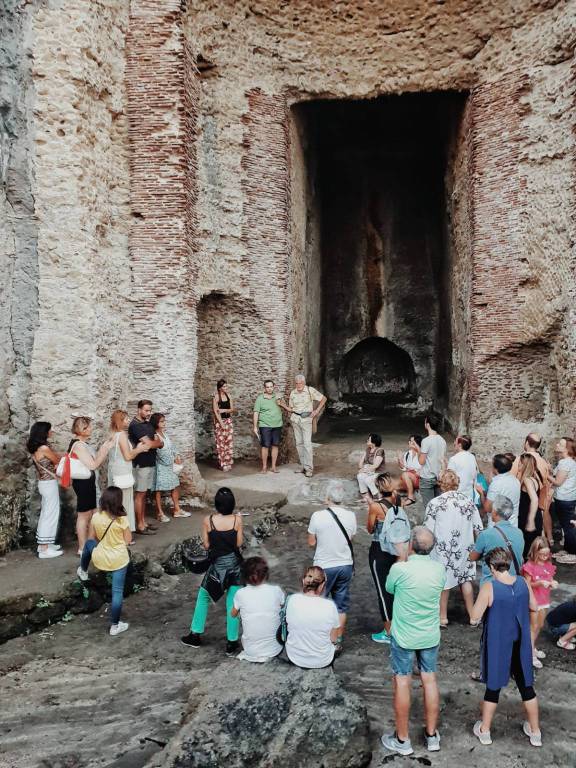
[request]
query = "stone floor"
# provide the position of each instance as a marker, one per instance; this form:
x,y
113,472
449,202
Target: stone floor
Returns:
x,y
80,699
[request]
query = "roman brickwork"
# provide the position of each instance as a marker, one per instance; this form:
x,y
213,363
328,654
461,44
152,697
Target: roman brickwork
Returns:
x,y
170,212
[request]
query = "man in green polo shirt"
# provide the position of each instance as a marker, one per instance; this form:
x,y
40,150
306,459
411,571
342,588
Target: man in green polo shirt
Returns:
x,y
416,585
267,423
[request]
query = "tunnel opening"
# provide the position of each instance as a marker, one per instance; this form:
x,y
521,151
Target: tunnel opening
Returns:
x,y
380,192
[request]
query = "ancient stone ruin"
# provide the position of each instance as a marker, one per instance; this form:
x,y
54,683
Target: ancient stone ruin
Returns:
x,y
378,193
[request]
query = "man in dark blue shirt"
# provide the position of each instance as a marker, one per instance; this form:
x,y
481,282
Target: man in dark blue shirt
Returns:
x,y
144,465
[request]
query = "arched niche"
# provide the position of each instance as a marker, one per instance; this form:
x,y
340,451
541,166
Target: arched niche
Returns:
x,y
377,373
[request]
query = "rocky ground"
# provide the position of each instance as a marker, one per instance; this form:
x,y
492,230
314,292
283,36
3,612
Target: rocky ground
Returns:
x,y
72,697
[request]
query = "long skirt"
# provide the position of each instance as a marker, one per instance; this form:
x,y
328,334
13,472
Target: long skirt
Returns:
x,y
49,513
224,437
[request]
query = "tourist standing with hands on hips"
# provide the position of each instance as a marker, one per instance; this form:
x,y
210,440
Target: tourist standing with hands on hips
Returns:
x,y
144,464
45,462
303,415
267,424
167,469
222,410
120,462
85,490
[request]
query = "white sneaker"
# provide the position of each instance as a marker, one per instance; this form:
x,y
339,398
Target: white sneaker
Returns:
x,y
540,654
536,663
483,737
535,738
115,629
47,553
82,575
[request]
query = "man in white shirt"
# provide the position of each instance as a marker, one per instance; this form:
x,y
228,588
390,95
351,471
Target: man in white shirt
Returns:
x,y
503,483
464,464
333,552
303,412
432,458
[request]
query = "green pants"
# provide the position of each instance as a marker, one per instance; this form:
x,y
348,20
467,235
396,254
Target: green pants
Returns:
x,y
201,613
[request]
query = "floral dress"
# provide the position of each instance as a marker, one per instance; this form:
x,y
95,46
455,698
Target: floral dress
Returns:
x,y
165,479
453,519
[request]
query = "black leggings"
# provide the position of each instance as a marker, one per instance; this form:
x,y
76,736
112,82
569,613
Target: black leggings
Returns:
x,y
380,564
527,692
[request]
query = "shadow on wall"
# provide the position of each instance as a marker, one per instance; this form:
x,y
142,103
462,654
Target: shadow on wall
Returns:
x,y
233,344
377,374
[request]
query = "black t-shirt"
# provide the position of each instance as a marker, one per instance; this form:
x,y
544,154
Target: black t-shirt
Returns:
x,y
137,430
563,614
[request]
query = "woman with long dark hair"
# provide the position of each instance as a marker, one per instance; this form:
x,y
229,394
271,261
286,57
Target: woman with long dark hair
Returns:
x,y
165,479
107,549
222,410
45,463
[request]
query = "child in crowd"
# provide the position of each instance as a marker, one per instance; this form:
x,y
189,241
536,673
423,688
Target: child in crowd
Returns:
x,y
539,573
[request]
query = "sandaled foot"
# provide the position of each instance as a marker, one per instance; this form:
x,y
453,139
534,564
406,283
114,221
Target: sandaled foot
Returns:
x,y
407,501
567,645
263,471
275,470
444,623
181,513
163,518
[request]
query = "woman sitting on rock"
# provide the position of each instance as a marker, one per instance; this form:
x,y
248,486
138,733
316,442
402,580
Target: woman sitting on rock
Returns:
x,y
313,623
222,536
107,548
370,465
258,604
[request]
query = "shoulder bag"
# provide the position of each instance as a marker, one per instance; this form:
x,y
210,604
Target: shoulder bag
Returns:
x,y
121,480
71,469
282,631
510,550
344,533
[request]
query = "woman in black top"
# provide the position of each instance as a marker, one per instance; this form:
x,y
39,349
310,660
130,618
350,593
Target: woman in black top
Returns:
x,y
222,411
222,536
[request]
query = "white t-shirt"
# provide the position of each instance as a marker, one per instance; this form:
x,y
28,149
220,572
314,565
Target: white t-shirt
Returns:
x,y
260,613
411,461
310,619
434,446
465,466
505,485
566,491
332,549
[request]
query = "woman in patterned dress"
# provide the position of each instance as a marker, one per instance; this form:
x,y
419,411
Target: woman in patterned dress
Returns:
x,y
165,479
222,411
455,522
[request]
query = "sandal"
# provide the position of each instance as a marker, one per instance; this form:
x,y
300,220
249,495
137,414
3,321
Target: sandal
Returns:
x,y
444,624
567,645
182,514
146,532
408,500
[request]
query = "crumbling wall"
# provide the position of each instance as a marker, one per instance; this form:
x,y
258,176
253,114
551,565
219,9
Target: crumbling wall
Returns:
x,y
18,260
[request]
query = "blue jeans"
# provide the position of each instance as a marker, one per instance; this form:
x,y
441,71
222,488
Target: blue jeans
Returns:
x,y
118,579
338,586
565,513
402,659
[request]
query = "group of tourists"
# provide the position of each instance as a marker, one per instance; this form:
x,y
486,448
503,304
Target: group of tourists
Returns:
x,y
304,406
413,568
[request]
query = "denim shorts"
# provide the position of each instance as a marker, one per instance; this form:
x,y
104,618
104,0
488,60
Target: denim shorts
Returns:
x,y
338,586
402,660
270,436
558,630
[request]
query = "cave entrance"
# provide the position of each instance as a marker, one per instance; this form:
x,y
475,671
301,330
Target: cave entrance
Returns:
x,y
380,243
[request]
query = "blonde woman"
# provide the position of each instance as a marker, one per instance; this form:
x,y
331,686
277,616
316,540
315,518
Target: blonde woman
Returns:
x,y
85,490
530,519
120,462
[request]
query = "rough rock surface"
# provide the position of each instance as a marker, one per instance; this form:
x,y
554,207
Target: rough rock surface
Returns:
x,y
270,716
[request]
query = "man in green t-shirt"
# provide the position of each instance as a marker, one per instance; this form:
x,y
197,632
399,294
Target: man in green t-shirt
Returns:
x,y
415,635
268,424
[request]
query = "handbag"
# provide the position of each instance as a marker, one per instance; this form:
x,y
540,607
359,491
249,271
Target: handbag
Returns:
x,y
71,469
121,480
282,631
177,468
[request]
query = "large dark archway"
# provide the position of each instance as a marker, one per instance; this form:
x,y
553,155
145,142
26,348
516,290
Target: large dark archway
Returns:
x,y
377,374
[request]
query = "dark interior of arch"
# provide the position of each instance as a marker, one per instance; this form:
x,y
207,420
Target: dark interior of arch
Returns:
x,y
377,373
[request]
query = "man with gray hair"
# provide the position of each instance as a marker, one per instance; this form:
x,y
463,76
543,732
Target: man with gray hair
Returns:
x,y
416,585
303,412
502,533
331,531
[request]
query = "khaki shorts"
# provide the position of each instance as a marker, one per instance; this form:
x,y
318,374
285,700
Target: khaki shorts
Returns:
x,y
143,478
